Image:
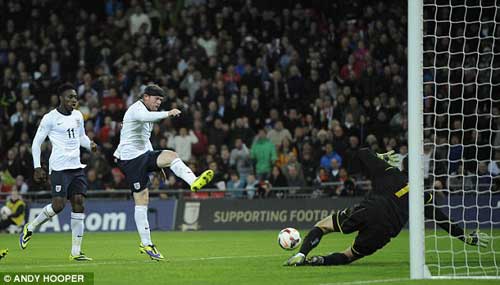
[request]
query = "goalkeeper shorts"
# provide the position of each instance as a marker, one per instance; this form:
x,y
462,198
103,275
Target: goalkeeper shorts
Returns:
x,y
373,234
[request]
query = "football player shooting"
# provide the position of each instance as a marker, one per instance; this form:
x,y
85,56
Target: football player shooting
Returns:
x,y
65,128
136,158
378,218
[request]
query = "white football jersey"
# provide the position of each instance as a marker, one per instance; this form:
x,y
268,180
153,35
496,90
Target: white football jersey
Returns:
x,y
66,134
136,131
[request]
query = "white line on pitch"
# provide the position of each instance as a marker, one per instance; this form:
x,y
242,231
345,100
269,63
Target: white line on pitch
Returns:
x,y
368,281
79,264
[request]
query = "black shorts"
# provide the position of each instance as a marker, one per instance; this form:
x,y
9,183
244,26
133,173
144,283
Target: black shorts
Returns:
x,y
373,233
137,170
66,183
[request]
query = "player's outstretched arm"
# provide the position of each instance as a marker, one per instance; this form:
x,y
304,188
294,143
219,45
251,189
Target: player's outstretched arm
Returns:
x,y
40,136
475,238
153,116
373,166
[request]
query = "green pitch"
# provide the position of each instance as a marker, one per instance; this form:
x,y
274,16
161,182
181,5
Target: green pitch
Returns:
x,y
240,257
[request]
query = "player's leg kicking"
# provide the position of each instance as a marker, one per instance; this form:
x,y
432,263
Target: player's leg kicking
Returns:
x,y
170,159
136,170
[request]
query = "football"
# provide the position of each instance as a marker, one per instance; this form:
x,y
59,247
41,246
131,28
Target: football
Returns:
x,y
289,238
5,213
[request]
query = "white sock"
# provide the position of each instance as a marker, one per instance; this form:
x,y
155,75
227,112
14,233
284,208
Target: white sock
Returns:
x,y
44,216
77,227
141,221
181,170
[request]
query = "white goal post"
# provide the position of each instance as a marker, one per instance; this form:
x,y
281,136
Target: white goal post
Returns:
x,y
454,135
415,138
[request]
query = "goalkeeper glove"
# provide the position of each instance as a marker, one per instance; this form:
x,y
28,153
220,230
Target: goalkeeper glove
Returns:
x,y
390,157
477,238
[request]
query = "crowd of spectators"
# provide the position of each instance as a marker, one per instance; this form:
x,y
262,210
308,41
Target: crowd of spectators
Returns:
x,y
273,93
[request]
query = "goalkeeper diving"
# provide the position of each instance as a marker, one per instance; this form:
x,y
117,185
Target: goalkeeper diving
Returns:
x,y
379,217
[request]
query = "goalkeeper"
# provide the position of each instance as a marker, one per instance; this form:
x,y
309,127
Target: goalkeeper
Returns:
x,y
378,218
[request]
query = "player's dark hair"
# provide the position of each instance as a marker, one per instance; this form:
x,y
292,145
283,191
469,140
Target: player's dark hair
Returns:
x,y
64,87
153,90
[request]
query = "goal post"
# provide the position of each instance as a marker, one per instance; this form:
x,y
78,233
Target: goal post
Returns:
x,y
415,138
454,135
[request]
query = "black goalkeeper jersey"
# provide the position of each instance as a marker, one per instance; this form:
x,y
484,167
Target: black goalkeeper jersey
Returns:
x,y
389,194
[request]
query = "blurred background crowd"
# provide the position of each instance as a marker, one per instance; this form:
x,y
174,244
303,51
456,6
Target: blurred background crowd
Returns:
x,y
272,93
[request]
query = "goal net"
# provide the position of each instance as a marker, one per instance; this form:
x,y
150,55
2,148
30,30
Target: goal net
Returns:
x,y
461,131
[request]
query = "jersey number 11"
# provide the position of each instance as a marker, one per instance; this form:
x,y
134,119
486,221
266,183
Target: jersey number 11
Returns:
x,y
71,133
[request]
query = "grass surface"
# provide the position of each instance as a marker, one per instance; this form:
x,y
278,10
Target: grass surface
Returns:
x,y
240,257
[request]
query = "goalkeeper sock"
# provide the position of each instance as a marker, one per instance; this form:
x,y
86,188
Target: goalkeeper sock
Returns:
x,y
141,221
44,216
181,170
311,241
77,227
336,259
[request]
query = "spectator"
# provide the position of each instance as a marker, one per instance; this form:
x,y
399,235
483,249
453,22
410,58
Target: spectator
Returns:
x,y
139,21
224,161
118,182
348,186
352,164
201,147
21,186
242,130
263,153
309,168
460,181
217,134
182,143
294,179
277,179
240,159
209,43
334,171
278,134
328,156
403,152
251,186
11,167
94,183
284,149
484,179
293,162
17,116
493,168
235,185
264,190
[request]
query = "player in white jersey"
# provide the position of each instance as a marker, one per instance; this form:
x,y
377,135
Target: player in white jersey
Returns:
x,y
136,158
65,128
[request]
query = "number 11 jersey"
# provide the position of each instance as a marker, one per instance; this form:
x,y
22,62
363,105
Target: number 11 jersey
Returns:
x,y
64,132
